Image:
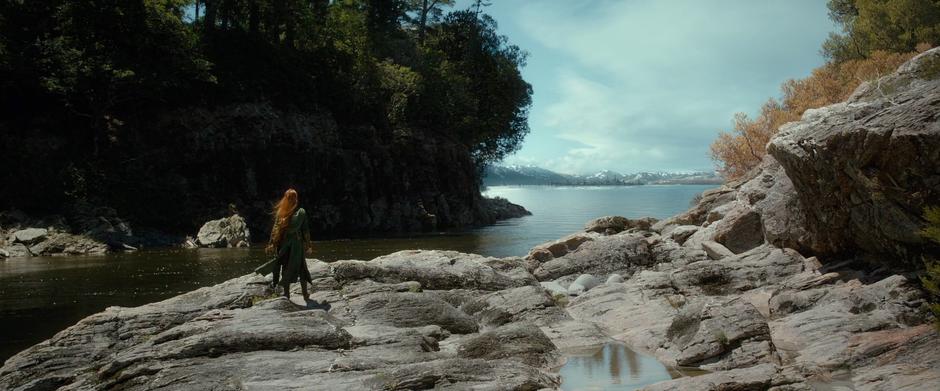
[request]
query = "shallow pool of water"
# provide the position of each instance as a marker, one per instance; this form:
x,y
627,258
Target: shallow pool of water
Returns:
x,y
614,367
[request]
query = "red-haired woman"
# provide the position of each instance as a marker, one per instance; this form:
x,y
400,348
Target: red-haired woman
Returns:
x,y
288,236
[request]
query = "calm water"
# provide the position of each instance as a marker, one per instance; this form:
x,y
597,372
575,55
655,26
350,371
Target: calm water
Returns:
x,y
614,367
41,296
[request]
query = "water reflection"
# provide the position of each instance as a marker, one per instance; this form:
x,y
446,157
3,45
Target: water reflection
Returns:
x,y
611,367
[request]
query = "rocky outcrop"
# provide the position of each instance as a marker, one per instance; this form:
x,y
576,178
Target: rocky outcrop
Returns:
x,y
615,224
765,319
464,323
867,167
498,208
85,230
230,231
22,236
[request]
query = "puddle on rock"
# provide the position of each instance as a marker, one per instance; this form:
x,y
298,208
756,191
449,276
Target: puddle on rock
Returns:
x,y
614,367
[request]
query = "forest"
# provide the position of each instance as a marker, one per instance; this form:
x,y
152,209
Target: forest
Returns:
x,y
124,103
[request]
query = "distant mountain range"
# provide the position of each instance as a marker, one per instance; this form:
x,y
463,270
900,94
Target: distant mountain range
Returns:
x,y
532,175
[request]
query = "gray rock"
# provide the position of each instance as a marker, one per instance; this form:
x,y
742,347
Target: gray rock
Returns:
x,y
759,377
231,231
371,335
602,224
554,288
511,305
759,267
715,250
582,284
4,253
436,270
740,230
524,341
604,255
401,309
500,208
682,232
63,243
559,248
30,235
614,279
721,330
18,250
772,195
866,168
609,225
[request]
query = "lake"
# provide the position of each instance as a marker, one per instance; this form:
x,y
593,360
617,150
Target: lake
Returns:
x,y
43,295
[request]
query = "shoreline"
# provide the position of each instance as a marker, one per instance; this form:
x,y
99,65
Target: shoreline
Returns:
x,y
24,236
476,299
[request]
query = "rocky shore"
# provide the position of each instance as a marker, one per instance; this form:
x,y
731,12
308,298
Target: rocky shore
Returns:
x,y
95,231
728,286
767,318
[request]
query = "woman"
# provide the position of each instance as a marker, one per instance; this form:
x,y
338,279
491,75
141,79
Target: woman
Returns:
x,y
288,236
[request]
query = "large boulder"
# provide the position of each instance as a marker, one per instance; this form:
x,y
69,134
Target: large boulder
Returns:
x,y
510,305
621,253
770,193
558,248
437,270
522,340
30,235
582,284
723,335
616,224
400,309
866,168
231,231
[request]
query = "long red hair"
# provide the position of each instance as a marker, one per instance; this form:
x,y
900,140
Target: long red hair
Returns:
x,y
282,212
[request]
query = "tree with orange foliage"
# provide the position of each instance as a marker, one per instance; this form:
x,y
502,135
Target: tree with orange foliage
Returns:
x,y
877,37
740,150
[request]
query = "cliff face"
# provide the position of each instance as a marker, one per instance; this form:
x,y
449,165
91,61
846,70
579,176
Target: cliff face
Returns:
x,y
866,168
851,179
188,166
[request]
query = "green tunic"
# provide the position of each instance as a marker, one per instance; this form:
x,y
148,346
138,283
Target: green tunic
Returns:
x,y
290,255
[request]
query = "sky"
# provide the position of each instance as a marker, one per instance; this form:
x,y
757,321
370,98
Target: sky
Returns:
x,y
647,85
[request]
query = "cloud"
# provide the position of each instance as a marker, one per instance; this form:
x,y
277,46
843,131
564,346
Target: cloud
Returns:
x,y
646,85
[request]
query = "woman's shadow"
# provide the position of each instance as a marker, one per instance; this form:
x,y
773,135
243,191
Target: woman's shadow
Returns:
x,y
309,304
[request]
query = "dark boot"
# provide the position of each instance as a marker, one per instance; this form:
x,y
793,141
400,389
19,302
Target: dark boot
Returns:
x,y
275,277
287,290
303,290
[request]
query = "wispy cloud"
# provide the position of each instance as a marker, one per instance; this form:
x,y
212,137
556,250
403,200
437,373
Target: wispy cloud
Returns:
x,y
646,84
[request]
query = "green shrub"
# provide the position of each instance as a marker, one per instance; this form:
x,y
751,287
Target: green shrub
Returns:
x,y
931,277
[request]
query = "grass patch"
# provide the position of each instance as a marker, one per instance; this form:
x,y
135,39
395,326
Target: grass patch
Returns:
x,y
560,299
682,325
255,300
929,68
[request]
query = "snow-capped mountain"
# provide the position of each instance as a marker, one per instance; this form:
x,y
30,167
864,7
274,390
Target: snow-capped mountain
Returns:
x,y
533,175
522,175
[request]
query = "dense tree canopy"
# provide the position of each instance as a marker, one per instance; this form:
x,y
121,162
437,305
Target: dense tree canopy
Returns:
x,y
868,26
392,64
